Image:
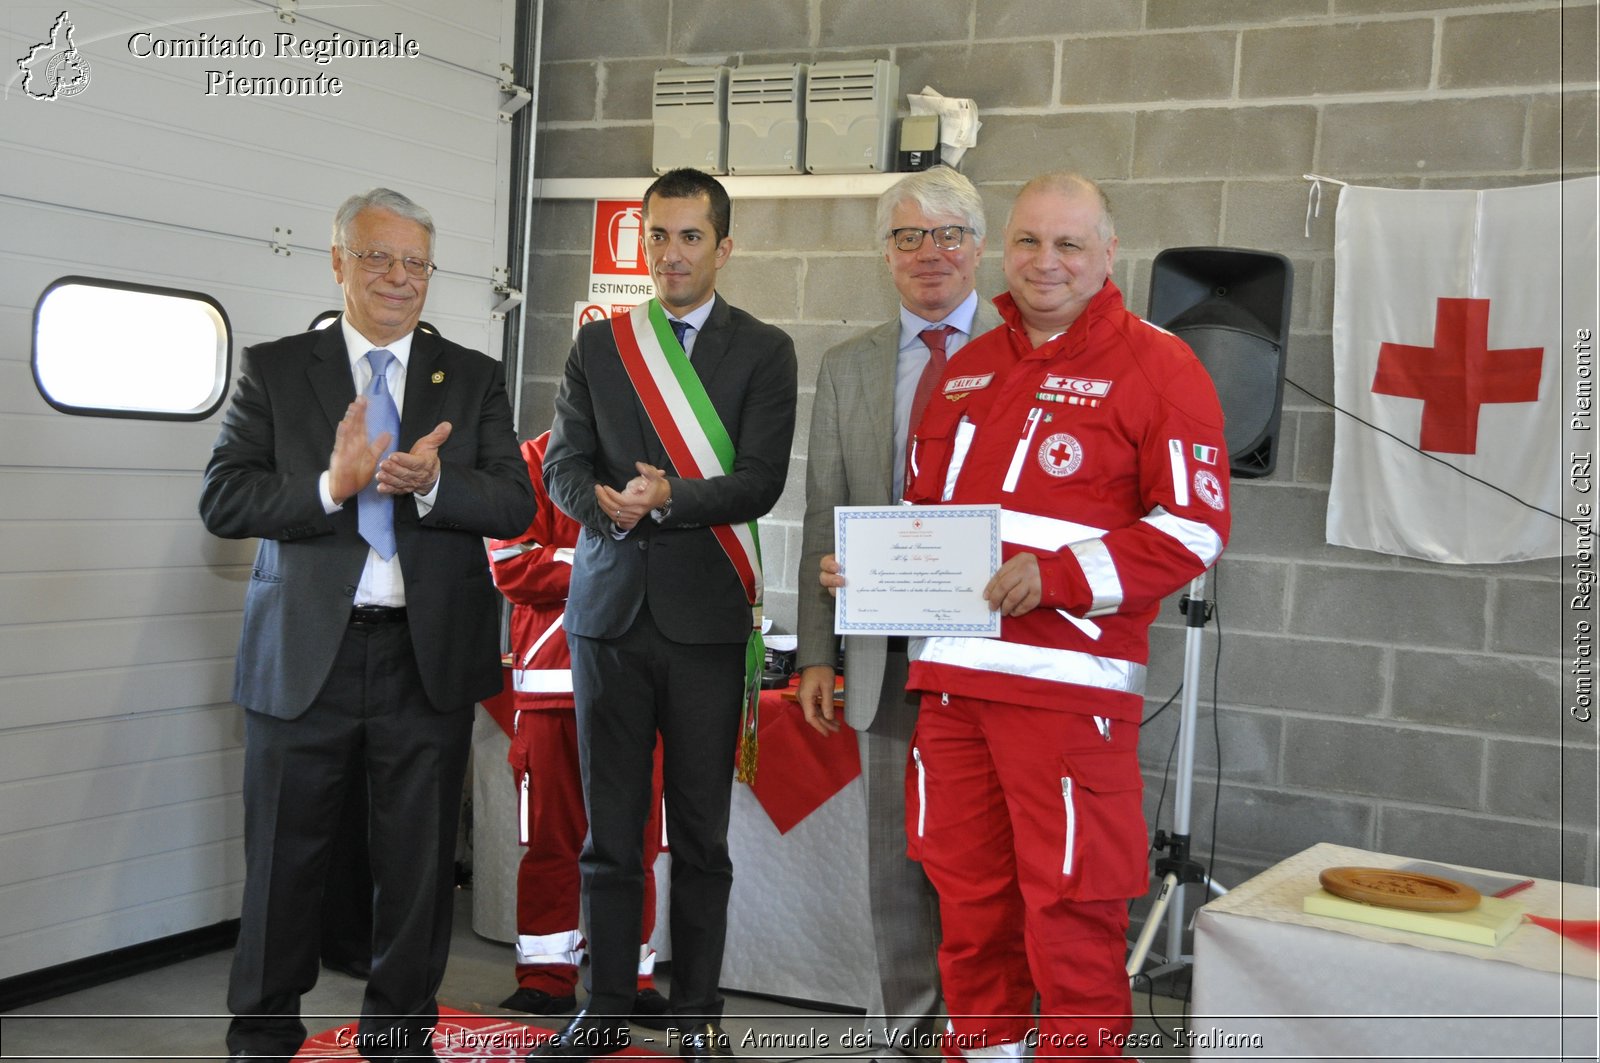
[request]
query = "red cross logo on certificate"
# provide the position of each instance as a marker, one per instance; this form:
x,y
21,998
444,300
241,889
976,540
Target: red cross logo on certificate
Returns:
x,y
1457,375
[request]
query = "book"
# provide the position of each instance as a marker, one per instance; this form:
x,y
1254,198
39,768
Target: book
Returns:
x,y
1490,885
1488,924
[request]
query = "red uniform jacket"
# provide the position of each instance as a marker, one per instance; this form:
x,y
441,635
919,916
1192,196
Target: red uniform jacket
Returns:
x,y
1104,446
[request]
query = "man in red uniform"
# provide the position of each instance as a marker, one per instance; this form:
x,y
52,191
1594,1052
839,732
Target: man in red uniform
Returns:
x,y
1100,436
533,571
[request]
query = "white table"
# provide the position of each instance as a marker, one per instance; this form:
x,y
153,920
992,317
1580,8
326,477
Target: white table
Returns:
x,y
1271,981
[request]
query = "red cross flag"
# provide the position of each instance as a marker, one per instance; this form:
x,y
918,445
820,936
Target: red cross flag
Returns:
x,y
1460,322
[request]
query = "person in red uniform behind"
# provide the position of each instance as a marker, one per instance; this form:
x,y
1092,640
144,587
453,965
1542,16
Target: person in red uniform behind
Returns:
x,y
533,571
1100,436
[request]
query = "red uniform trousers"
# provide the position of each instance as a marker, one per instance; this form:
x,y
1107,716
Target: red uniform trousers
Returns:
x,y
549,946
1032,832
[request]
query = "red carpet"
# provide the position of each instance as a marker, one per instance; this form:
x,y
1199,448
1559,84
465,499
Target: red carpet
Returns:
x,y
461,1037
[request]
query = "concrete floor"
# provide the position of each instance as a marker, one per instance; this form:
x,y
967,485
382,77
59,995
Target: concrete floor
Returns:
x,y
177,1013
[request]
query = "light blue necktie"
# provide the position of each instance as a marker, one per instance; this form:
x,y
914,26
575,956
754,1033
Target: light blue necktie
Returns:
x,y
375,512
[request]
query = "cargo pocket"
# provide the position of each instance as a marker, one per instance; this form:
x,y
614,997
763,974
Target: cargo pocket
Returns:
x,y
1103,841
916,793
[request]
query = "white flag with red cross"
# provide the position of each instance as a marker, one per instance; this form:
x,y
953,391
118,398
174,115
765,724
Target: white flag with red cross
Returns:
x,y
1461,320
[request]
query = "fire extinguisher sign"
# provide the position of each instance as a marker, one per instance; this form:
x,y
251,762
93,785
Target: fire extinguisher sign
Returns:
x,y
619,276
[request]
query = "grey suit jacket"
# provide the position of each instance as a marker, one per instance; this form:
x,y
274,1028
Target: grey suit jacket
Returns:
x,y
601,429
850,462
262,482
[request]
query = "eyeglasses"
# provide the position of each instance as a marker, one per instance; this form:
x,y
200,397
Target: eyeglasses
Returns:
x,y
383,262
945,237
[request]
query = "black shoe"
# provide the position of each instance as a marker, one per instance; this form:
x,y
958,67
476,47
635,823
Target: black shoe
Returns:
x,y
585,1037
651,1010
704,1041
538,1002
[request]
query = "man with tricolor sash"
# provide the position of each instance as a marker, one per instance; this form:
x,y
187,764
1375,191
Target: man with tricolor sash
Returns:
x,y
671,438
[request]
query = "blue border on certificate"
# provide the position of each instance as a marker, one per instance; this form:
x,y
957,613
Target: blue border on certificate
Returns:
x,y
843,514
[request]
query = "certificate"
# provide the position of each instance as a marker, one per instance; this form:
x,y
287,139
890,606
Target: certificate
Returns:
x,y
916,570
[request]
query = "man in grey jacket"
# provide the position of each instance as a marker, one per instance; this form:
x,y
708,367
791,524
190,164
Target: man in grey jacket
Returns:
x,y
931,228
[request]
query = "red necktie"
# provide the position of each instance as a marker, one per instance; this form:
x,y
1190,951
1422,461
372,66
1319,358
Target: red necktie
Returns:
x,y
932,373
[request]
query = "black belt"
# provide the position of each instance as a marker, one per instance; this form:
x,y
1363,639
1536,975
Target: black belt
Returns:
x,y
897,643
365,615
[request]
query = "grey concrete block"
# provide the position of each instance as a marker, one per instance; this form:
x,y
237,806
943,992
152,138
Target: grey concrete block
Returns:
x,y
1282,520
1502,695
1147,66
767,286
848,288
1376,760
1344,8
777,566
1515,848
612,151
564,225
995,75
1271,216
569,92
586,29
1250,595
810,343
1336,59
1516,47
1019,147
627,89
1435,609
1156,215
784,608
1562,132
549,341
798,225
538,408
847,23
557,280
1028,18
1529,616
1328,678
709,26
1525,778
1225,141
1429,136
1313,456
1178,14
1249,743
1272,823
1310,365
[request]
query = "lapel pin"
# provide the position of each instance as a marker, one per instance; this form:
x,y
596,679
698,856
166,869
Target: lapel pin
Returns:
x,y
438,376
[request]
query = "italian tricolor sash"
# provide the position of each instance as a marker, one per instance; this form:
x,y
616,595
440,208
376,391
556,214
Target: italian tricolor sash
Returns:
x,y
695,439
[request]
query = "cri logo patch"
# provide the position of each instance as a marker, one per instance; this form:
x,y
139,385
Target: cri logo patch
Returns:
x,y
1060,455
1209,488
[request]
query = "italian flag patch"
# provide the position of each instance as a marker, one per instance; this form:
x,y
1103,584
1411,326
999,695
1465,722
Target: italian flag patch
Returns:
x,y
1208,455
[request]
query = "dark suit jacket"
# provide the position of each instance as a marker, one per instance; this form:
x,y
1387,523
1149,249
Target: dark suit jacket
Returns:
x,y
601,429
262,481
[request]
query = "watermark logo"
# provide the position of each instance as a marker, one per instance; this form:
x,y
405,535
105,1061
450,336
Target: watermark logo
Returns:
x,y
54,68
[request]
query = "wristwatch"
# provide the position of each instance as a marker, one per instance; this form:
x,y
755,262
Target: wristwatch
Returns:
x,y
663,512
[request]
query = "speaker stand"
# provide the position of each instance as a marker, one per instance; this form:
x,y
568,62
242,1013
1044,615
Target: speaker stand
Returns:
x,y
1178,869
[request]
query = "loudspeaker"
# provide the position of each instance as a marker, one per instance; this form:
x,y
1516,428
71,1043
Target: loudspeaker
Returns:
x,y
1232,307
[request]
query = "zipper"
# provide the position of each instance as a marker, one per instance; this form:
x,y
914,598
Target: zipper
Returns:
x,y
922,790
1024,444
1072,824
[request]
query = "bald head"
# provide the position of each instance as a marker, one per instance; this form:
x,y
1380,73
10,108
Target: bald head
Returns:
x,y
1060,245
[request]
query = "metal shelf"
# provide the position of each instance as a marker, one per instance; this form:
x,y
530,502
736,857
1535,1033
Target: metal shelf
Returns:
x,y
796,186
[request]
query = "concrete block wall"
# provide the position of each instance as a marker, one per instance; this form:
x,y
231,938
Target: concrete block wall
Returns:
x,y
1361,698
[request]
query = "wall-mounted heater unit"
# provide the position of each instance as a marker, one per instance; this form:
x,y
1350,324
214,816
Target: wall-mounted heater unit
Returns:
x,y
766,119
689,107
850,116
